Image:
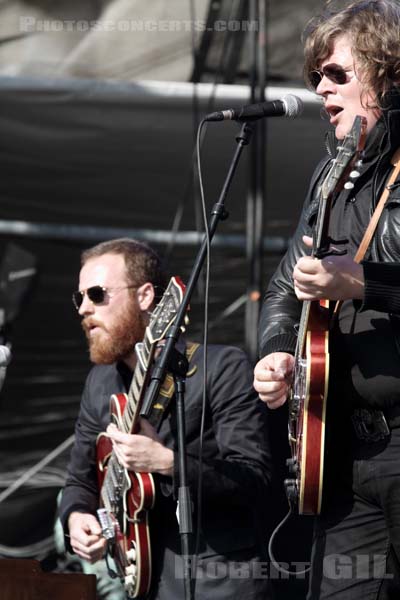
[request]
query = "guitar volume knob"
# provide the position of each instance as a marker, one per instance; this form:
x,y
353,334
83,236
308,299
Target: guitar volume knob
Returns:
x,y
131,570
131,555
292,465
130,584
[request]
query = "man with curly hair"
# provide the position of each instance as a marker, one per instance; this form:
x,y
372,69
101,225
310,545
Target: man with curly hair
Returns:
x,y
352,61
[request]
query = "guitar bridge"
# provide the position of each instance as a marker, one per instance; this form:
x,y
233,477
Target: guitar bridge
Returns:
x,y
298,391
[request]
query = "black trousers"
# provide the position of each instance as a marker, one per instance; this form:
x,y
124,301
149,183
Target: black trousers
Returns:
x,y
235,576
356,548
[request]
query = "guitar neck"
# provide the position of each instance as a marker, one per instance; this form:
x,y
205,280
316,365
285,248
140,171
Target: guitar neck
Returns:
x,y
303,326
320,245
144,352
127,413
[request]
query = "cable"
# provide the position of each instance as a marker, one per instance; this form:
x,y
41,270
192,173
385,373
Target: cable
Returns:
x,y
196,154
202,125
210,104
33,470
50,477
39,550
271,554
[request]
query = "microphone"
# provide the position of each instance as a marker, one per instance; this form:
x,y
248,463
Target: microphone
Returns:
x,y
5,358
288,106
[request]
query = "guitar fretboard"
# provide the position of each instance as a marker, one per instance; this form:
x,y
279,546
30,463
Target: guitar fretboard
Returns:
x,y
114,478
301,339
145,353
161,318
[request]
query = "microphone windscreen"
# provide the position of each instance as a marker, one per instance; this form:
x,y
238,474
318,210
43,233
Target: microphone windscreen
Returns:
x,y
294,106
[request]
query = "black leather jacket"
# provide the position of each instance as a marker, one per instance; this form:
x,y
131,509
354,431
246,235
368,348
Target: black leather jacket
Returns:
x,y
281,309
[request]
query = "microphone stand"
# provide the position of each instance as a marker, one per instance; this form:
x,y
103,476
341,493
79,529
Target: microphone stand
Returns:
x,y
167,358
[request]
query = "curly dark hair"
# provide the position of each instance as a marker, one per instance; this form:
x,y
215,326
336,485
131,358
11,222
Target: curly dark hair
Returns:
x,y
142,263
373,28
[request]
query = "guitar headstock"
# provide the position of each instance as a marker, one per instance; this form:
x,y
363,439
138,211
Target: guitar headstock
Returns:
x,y
348,156
164,313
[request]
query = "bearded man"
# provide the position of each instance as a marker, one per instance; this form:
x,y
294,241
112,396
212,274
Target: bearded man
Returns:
x,y
120,282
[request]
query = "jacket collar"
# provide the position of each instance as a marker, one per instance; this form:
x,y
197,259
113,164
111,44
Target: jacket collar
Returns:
x,y
391,118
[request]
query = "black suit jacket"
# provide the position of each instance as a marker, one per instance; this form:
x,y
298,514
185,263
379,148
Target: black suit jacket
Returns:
x,y
236,458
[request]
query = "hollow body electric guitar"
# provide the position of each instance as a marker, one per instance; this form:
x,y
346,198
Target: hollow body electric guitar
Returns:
x,y
308,395
126,497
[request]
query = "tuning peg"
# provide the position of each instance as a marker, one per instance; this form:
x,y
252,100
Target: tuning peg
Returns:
x,y
354,174
348,185
359,163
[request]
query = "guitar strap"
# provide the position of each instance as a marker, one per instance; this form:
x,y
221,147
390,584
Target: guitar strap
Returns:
x,y
369,232
168,388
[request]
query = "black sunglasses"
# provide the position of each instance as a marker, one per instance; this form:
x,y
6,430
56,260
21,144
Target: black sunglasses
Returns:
x,y
333,72
96,294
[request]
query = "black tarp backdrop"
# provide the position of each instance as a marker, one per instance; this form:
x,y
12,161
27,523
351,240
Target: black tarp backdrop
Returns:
x,y
85,160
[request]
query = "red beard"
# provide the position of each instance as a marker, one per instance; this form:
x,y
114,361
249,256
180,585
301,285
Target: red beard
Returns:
x,y
116,342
